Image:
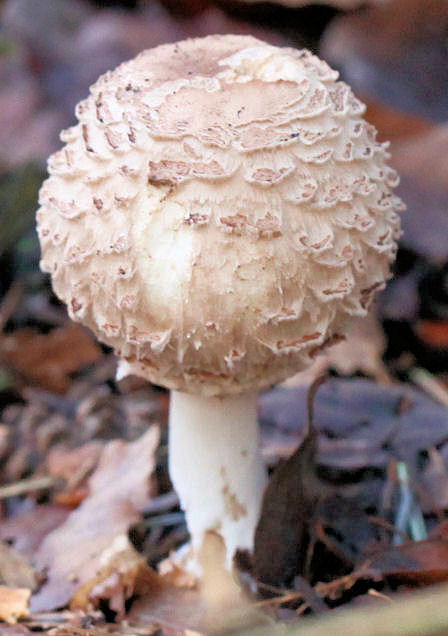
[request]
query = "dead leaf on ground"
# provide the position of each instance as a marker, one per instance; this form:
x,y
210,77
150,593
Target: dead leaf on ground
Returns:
x,y
289,499
395,52
14,630
13,603
73,464
416,562
74,553
125,575
393,124
27,529
423,166
15,569
48,359
361,423
434,333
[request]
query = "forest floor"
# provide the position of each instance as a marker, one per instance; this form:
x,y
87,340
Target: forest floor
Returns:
x,y
87,510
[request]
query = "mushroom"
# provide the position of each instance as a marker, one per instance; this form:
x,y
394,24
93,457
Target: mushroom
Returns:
x,y
217,214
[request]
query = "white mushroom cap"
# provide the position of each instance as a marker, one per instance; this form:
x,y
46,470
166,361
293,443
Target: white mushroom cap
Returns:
x,y
218,212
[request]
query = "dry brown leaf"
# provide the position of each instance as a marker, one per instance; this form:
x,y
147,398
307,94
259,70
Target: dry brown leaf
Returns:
x,y
27,529
416,562
125,575
73,465
423,156
75,552
14,630
15,570
393,124
395,52
48,359
13,603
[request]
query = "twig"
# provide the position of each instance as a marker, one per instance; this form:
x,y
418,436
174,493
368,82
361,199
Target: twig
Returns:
x,y
25,486
429,383
312,599
426,614
385,525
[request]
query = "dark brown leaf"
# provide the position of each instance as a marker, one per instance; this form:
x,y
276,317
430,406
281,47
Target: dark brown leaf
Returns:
x,y
417,562
48,359
290,497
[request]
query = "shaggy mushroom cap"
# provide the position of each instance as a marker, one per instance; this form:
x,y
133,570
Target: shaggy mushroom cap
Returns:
x,y
218,212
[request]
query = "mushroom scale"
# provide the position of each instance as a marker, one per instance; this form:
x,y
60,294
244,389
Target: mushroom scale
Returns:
x,y
218,212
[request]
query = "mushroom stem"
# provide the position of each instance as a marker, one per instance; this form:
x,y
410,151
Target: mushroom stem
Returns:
x,y
216,467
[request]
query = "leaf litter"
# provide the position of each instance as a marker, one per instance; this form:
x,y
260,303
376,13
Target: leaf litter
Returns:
x,y
87,532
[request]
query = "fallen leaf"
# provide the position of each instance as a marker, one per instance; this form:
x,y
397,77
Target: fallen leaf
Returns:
x,y
393,124
66,462
73,553
13,603
394,52
416,562
289,499
27,529
14,630
360,423
433,333
125,575
423,166
15,570
48,359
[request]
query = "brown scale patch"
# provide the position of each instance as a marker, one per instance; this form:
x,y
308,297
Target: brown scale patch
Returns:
x,y
281,344
236,223
269,226
316,246
234,508
206,375
367,293
344,286
196,218
267,176
98,203
110,330
328,342
86,139
167,172
137,336
75,305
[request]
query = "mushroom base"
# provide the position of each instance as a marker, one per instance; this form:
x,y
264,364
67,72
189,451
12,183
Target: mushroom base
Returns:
x,y
216,467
